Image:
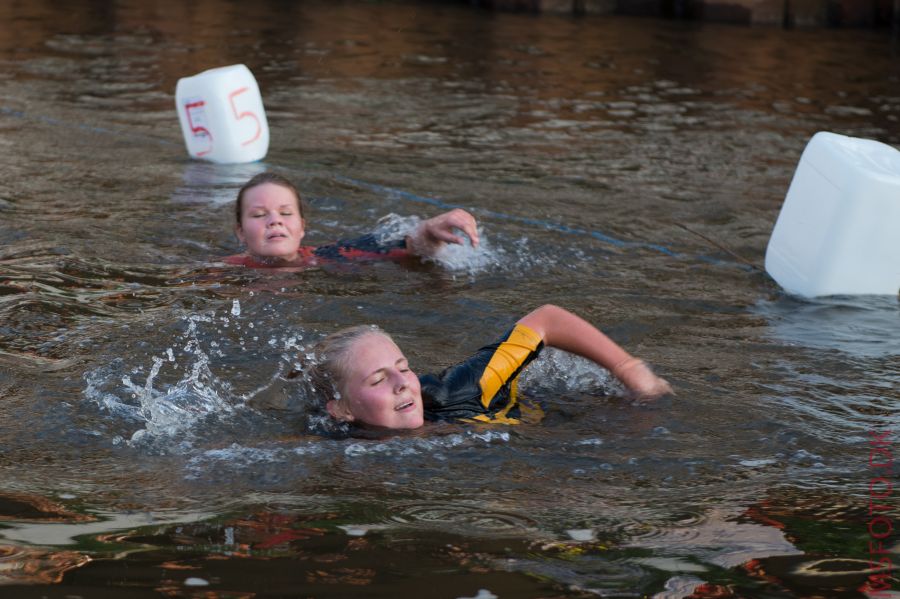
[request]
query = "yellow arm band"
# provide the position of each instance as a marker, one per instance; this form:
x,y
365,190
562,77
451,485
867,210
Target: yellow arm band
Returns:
x,y
508,358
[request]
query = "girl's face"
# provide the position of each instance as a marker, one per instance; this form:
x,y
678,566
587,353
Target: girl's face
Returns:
x,y
379,389
271,225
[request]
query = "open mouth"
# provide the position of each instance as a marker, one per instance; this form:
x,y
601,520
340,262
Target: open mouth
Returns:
x,y
276,236
405,406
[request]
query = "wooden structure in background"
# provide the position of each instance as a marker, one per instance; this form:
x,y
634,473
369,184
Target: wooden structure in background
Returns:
x,y
784,13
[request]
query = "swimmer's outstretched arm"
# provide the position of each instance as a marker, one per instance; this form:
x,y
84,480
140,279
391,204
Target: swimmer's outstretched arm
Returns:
x,y
561,329
432,234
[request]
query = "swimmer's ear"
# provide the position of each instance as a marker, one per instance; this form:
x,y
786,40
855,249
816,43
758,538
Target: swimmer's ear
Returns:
x,y
239,232
337,411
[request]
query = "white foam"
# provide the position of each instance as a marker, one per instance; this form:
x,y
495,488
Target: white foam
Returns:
x,y
581,534
394,227
556,369
401,446
482,594
238,456
360,530
590,442
463,257
453,256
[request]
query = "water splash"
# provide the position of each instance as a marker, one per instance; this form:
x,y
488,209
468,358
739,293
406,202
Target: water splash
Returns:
x,y
220,376
393,227
95,381
556,370
455,257
172,412
165,411
466,258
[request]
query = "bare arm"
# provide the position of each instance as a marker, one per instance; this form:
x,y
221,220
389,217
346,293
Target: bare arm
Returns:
x,y
432,234
561,329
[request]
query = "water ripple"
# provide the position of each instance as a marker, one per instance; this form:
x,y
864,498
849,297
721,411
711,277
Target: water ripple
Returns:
x,y
459,517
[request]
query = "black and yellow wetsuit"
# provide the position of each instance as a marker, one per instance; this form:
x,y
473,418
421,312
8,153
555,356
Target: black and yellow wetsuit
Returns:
x,y
484,387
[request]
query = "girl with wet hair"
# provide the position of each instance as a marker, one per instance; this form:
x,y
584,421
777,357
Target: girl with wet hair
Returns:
x,y
269,221
369,380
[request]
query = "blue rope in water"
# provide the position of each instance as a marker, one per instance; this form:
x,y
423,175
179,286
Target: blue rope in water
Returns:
x,y
93,129
543,224
406,195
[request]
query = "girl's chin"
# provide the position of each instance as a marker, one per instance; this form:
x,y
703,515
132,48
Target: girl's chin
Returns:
x,y
407,422
403,425
413,422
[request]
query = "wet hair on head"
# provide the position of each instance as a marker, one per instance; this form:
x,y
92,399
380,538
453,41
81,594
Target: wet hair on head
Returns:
x,y
261,179
331,353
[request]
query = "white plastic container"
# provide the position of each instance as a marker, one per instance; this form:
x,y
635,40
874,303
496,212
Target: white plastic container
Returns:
x,y
839,228
222,115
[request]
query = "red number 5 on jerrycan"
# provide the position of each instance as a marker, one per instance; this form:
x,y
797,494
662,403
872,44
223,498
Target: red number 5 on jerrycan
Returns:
x,y
222,115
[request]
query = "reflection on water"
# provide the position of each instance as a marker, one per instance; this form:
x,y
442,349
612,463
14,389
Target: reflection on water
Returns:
x,y
29,566
153,443
853,336
225,551
856,326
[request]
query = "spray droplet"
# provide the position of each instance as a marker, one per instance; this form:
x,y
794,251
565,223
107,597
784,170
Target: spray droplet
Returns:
x,y
581,534
235,308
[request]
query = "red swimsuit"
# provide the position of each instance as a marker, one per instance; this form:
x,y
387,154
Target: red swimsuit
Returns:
x,y
366,247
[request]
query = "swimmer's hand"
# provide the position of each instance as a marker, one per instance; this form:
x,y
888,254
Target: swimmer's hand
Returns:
x,y
640,380
431,235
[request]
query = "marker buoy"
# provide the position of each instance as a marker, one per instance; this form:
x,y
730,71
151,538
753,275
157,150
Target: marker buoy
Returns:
x,y
838,232
222,116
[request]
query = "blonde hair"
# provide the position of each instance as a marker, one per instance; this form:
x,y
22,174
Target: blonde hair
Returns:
x,y
330,370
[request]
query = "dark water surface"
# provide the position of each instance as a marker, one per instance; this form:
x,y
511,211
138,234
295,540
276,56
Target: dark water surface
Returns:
x,y
150,446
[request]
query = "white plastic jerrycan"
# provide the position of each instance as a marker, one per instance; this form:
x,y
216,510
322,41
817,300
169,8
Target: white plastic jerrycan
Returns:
x,y
838,232
222,115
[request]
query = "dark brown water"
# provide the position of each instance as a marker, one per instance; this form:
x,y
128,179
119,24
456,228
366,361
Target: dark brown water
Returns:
x,y
149,445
